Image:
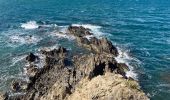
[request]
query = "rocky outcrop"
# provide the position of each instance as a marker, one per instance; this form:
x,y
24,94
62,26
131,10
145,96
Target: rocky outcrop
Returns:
x,y
66,76
93,44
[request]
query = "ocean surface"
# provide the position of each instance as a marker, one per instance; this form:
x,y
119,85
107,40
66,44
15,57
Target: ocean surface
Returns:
x,y
140,29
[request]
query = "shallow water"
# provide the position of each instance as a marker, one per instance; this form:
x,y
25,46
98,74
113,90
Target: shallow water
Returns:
x,y
140,28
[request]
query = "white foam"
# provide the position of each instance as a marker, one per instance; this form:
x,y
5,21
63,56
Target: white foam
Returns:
x,y
16,39
49,48
40,63
20,40
123,57
63,35
34,25
89,36
30,25
32,39
94,29
63,29
17,59
17,94
51,25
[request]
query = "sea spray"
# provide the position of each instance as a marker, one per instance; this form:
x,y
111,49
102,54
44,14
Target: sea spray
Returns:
x,y
123,57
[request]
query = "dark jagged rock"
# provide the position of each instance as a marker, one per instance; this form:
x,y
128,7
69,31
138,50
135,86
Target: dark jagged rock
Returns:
x,y
79,31
31,57
97,64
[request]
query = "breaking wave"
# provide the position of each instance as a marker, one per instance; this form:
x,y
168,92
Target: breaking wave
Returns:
x,y
124,57
30,25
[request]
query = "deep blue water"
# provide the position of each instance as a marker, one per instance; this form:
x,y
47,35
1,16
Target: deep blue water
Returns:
x,y
141,28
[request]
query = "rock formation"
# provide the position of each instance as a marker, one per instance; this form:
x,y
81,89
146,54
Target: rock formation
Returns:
x,y
93,44
90,76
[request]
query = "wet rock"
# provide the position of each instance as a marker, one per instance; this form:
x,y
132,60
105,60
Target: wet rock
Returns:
x,y
31,57
122,68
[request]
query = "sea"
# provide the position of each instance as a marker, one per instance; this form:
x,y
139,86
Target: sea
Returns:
x,y
140,29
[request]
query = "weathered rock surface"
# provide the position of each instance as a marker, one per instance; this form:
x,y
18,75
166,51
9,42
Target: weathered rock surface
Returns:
x,y
107,87
67,76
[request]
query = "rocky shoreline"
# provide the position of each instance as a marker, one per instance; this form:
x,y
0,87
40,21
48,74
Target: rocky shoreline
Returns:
x,y
94,75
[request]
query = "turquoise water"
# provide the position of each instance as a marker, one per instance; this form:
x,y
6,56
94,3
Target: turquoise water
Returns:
x,y
140,28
